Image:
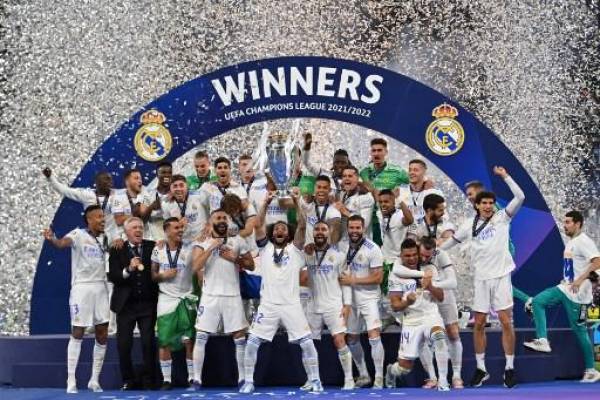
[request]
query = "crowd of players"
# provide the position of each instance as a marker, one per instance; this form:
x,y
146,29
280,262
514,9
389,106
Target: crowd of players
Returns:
x,y
347,249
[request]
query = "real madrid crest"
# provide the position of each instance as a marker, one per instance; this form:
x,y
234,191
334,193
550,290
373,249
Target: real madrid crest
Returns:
x,y
445,136
152,140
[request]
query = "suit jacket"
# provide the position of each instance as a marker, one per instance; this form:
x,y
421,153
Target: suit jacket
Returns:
x,y
141,283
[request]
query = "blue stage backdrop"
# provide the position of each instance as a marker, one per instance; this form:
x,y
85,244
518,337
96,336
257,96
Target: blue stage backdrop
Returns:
x,y
307,87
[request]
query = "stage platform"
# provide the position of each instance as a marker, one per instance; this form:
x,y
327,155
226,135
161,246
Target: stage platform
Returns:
x,y
40,361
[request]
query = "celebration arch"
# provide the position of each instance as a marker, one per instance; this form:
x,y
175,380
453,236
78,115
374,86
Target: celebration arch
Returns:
x,y
307,87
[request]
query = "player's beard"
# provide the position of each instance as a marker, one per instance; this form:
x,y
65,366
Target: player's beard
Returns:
x,y
320,241
355,237
220,228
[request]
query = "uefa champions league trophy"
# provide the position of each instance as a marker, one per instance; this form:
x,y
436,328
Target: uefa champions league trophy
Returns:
x,y
282,156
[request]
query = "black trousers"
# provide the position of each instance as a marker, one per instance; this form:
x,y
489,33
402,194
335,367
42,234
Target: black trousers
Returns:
x,y
144,315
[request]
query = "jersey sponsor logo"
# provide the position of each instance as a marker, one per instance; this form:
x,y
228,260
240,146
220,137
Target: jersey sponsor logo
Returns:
x,y
153,140
321,269
445,136
488,233
568,271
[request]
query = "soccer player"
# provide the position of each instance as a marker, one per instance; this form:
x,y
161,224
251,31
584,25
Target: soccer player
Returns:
x,y
151,207
331,301
364,275
354,200
419,188
212,192
319,208
101,196
176,309
492,265
203,173
574,292
88,301
242,220
216,260
280,265
186,206
128,202
433,224
421,323
340,161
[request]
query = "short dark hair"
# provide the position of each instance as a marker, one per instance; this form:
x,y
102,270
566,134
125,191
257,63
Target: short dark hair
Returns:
x,y
428,243
340,152
380,141
386,192
272,226
357,217
164,163
321,223
217,210
178,177
245,157
230,203
201,154
432,201
88,210
576,216
418,161
221,159
130,172
484,195
352,167
474,184
408,244
102,173
323,178
168,222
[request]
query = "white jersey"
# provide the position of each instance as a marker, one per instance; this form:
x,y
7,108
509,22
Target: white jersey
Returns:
x,y
121,204
280,281
221,277
257,196
326,213
154,226
212,194
181,285
425,308
364,260
358,204
88,197
579,253
423,229
414,200
488,250
324,269
194,213
393,234
87,257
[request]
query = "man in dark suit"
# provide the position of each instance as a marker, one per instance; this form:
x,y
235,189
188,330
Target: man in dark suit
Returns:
x,y
134,301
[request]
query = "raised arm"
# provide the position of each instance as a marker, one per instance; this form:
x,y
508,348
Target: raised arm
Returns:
x,y
300,235
75,194
335,226
314,169
519,197
407,217
59,243
260,228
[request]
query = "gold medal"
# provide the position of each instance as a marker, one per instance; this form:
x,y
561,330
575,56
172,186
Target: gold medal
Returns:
x,y
140,267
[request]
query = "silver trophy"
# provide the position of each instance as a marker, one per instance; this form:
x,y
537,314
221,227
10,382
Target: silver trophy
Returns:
x,y
282,157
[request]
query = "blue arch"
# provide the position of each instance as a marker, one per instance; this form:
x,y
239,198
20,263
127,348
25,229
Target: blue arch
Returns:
x,y
196,113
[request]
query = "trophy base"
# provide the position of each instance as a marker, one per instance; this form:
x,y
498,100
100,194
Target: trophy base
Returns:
x,y
283,195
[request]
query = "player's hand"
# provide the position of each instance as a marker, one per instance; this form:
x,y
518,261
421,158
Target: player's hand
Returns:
x,y
270,196
307,141
47,172
155,204
426,282
169,273
117,244
215,243
227,253
346,313
134,263
345,279
309,249
411,298
500,171
48,234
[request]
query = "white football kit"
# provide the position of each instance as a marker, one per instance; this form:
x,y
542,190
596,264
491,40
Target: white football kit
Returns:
x,y
579,252
393,234
193,211
315,213
212,193
121,204
358,204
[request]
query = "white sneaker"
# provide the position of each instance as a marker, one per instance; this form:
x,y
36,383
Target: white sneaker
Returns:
x,y
349,385
443,387
94,386
362,381
590,376
71,386
306,387
540,345
316,386
378,384
247,388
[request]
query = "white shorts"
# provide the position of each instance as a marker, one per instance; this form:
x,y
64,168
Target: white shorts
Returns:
x,y
214,309
492,294
88,304
369,311
413,336
332,318
448,308
268,317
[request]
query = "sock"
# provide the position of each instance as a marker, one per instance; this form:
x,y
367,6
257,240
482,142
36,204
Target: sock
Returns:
x,y
480,358
310,358
98,360
359,357
346,360
73,350
441,358
252,345
378,354
510,362
199,351
240,348
426,357
455,348
190,368
165,368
